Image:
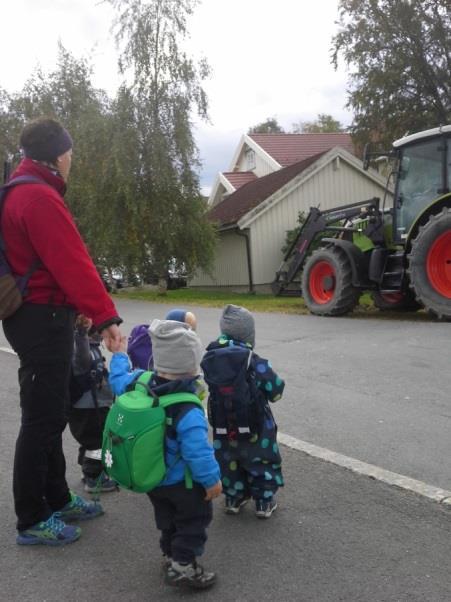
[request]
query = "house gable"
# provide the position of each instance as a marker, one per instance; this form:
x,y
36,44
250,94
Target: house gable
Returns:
x,y
335,155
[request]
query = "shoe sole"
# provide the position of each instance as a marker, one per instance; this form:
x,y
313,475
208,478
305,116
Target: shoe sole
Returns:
x,y
187,583
95,490
45,542
266,513
235,510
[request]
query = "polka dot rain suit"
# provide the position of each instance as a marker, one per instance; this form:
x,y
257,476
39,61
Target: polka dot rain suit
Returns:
x,y
251,467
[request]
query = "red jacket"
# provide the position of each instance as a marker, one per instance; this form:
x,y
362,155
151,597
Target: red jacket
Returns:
x,y
36,223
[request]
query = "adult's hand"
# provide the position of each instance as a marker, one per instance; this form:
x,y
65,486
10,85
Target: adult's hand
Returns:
x,y
112,338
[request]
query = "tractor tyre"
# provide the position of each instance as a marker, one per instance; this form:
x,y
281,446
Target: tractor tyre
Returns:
x,y
327,283
395,301
430,265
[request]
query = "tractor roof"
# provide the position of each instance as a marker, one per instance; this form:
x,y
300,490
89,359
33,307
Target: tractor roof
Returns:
x,y
420,135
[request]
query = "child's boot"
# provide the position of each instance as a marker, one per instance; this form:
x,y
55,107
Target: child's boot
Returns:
x,y
190,575
234,504
265,508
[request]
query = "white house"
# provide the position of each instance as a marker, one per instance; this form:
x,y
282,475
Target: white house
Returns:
x,y
271,179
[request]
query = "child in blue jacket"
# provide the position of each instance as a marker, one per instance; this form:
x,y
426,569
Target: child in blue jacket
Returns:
x,y
181,514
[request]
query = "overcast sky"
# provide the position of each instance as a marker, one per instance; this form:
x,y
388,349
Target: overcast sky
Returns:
x,y
270,58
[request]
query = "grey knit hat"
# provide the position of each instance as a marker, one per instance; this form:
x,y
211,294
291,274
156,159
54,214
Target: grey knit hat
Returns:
x,y
45,140
176,348
238,323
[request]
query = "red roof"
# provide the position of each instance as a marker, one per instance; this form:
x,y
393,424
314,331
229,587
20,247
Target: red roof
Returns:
x,y
232,208
239,178
287,149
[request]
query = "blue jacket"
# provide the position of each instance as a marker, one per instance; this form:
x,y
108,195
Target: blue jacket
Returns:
x,y
190,447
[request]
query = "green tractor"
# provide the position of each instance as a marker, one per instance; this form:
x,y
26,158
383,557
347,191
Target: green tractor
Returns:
x,y
402,255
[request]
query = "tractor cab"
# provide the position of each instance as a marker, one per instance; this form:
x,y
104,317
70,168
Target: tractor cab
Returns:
x,y
424,174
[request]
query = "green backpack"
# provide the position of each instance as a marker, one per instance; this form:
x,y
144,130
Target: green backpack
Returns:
x,y
133,447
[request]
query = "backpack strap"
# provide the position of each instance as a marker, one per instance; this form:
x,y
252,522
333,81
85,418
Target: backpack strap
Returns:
x,y
171,399
21,280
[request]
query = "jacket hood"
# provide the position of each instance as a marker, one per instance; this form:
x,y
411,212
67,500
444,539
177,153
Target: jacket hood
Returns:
x,y
161,386
224,341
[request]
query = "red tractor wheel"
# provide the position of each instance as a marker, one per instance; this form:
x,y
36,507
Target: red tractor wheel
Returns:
x,y
430,264
395,301
438,264
327,283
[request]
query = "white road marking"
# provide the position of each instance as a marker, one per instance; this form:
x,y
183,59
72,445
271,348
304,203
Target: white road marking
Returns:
x,y
8,350
437,494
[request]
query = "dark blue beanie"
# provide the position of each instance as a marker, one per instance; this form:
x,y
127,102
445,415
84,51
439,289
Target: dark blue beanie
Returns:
x,y
46,140
178,315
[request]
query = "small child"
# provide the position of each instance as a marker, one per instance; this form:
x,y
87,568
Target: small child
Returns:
x,y
181,514
244,430
139,348
91,398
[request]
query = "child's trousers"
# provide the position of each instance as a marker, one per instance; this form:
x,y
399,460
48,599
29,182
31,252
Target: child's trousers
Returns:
x,y
86,426
182,515
249,468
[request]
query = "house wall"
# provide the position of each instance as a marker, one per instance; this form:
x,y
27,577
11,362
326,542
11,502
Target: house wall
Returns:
x,y
262,167
330,187
230,267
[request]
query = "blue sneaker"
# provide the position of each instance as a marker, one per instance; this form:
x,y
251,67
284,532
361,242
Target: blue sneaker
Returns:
x,y
51,532
79,509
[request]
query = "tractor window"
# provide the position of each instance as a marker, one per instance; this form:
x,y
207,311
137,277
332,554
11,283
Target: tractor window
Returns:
x,y
420,180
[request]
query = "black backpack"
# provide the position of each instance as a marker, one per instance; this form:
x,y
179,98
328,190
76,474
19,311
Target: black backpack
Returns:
x,y
13,288
234,411
92,380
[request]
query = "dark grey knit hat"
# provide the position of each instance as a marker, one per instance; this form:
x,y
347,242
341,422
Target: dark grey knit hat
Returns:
x,y
177,348
45,140
238,323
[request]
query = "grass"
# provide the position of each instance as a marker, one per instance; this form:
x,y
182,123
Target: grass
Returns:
x,y
187,296
264,303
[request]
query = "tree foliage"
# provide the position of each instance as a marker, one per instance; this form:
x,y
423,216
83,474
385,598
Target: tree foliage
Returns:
x,y
399,56
269,126
134,188
164,89
323,124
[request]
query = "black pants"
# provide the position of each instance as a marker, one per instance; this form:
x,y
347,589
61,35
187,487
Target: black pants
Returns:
x,y
182,515
86,426
42,337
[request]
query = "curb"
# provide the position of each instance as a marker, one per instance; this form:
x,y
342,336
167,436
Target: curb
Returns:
x,y
442,496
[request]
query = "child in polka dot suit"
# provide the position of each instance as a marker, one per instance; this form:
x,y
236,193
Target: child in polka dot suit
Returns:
x,y
250,465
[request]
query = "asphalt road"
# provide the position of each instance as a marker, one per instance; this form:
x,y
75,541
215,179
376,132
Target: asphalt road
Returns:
x,y
372,389
336,536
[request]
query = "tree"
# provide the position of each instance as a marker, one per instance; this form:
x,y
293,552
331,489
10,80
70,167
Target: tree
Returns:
x,y
291,235
67,94
169,225
269,126
322,124
399,56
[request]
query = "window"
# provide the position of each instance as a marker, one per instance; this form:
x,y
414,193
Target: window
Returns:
x,y
420,181
250,159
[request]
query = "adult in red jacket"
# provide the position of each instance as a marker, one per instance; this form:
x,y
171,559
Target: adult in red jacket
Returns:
x,y
38,228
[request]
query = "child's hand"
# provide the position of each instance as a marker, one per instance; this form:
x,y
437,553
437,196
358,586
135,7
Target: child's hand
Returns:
x,y
213,491
83,322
